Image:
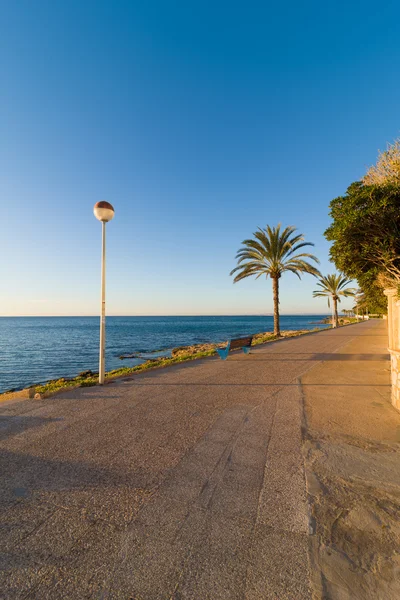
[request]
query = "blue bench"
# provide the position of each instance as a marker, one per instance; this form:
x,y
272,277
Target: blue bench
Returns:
x,y
243,343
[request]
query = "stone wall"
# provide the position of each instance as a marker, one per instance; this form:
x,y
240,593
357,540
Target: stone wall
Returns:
x,y
393,319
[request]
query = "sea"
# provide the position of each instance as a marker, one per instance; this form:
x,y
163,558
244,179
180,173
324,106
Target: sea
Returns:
x,y
36,349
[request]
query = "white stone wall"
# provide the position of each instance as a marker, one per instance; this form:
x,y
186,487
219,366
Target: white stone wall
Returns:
x,y
395,360
393,319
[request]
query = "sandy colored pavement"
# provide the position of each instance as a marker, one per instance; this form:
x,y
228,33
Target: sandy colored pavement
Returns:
x,y
352,453
188,482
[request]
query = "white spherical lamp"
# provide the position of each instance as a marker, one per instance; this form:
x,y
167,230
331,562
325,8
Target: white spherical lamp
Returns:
x,y
103,211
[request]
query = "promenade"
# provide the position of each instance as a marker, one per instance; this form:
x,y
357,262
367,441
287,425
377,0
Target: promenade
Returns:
x,y
202,481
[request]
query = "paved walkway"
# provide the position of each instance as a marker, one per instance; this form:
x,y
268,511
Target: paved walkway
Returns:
x,y
352,456
183,483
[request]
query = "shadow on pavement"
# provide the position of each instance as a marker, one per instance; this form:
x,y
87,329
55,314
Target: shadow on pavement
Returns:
x,y
13,425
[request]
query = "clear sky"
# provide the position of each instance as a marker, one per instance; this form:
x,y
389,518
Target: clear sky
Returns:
x,y
198,121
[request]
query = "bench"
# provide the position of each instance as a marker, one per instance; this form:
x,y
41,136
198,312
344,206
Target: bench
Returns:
x,y
243,343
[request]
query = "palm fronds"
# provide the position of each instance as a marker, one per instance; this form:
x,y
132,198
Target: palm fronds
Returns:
x,y
271,252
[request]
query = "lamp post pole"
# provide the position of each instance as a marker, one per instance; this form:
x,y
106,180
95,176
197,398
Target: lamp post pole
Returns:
x,y
104,212
103,305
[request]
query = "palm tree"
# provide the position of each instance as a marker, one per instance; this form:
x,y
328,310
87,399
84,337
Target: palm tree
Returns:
x,y
270,253
332,287
361,302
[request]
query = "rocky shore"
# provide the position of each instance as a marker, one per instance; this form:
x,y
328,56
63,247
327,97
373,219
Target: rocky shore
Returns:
x,y
259,338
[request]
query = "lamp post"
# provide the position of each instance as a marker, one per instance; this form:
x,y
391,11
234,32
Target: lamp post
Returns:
x,y
104,212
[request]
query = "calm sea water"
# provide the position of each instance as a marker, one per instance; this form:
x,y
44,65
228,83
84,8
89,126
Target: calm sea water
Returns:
x,y
36,349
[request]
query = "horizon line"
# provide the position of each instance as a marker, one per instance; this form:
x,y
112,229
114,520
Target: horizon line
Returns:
x,y
180,315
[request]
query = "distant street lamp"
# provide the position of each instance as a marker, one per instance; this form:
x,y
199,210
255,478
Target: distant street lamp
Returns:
x,y
104,212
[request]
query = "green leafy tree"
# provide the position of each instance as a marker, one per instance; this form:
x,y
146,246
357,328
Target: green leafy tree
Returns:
x,y
270,253
333,287
365,236
365,230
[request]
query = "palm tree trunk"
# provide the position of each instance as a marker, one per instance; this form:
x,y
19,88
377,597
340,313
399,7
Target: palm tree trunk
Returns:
x,y
275,289
335,313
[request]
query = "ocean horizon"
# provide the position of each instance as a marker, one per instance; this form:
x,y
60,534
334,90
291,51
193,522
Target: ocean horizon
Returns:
x,y
35,349
165,316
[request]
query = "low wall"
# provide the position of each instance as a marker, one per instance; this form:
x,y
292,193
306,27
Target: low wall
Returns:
x,y
18,395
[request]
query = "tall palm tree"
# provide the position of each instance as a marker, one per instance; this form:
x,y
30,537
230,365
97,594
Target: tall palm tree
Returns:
x,y
270,253
333,287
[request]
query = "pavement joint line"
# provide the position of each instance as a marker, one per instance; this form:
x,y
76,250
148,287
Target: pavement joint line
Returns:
x,y
35,529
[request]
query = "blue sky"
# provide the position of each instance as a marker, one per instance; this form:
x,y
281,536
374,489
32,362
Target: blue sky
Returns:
x,y
199,122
